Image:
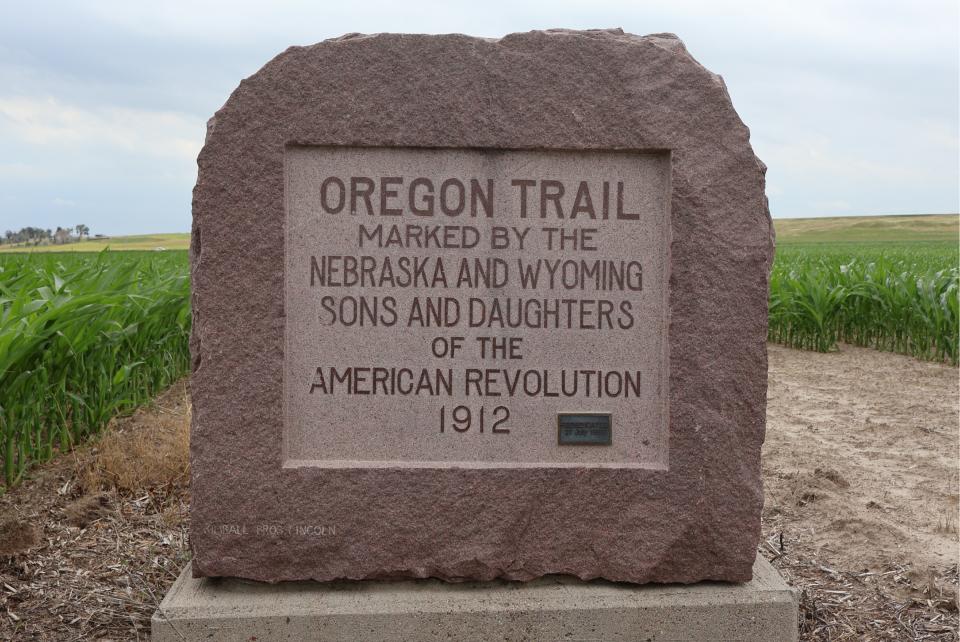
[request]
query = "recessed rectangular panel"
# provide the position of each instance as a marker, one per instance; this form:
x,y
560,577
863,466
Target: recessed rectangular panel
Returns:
x,y
444,306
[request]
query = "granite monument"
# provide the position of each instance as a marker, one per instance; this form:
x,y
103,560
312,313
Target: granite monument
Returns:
x,y
470,309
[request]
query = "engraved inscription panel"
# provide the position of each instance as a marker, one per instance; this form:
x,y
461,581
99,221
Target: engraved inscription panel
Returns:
x,y
444,306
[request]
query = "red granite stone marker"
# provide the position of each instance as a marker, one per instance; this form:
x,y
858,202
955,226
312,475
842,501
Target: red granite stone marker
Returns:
x,y
311,455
